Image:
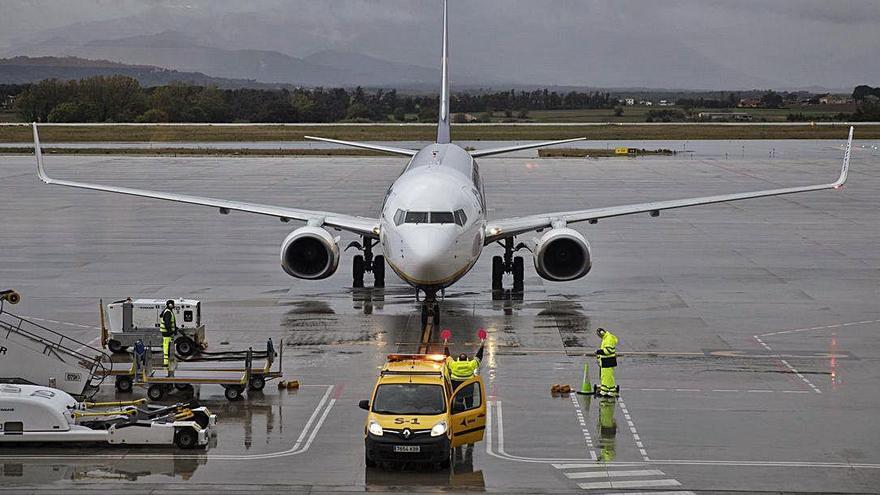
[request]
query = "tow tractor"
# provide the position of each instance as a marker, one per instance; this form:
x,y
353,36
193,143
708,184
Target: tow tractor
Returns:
x,y
32,413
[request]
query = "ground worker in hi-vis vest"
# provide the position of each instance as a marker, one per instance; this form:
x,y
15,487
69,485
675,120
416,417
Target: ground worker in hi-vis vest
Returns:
x,y
168,327
462,368
607,355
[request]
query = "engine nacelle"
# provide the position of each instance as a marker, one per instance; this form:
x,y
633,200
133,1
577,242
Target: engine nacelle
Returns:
x,y
562,254
310,253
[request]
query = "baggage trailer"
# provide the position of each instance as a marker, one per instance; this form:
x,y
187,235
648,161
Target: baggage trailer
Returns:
x,y
138,319
202,371
32,413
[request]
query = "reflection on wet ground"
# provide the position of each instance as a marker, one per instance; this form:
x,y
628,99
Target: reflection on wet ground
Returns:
x,y
708,406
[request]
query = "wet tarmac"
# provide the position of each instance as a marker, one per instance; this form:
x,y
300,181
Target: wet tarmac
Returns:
x,y
749,331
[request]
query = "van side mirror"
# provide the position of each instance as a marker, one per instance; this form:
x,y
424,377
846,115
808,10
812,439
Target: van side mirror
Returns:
x,y
364,404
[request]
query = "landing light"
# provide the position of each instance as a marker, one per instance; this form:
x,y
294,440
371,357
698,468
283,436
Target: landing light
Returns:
x,y
494,231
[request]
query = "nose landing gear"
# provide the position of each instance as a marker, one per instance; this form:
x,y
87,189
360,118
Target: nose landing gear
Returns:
x,y
430,309
508,264
362,264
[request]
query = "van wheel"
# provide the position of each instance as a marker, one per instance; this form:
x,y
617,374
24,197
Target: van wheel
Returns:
x,y
123,384
445,464
116,346
186,438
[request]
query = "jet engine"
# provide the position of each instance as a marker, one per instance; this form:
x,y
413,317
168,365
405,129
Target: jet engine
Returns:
x,y
562,254
310,253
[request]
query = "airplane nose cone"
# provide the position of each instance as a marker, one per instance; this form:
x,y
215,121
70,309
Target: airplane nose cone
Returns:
x,y
431,257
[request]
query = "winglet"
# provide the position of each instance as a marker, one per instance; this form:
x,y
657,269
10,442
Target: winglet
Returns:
x,y
844,170
38,152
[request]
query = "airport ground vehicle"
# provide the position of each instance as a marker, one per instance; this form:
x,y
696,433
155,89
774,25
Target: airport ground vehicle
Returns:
x,y
31,353
33,413
416,417
138,319
205,369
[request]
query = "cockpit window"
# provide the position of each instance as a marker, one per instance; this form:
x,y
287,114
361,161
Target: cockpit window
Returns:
x,y
438,217
416,217
460,218
442,217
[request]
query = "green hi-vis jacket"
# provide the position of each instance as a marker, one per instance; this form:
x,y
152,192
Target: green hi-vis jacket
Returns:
x,y
608,351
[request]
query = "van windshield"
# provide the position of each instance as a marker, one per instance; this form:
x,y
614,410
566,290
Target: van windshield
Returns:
x,y
409,399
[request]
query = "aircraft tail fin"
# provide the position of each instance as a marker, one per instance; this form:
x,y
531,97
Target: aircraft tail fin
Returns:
x,y
443,134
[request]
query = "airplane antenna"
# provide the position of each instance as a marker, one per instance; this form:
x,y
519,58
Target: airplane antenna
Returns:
x,y
443,135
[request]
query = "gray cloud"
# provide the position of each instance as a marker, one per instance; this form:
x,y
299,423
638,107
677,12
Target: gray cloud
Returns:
x,y
673,43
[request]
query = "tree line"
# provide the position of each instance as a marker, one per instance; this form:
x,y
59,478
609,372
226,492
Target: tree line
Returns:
x,y
122,99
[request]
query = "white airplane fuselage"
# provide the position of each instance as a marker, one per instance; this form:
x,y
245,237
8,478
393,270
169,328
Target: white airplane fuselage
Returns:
x,y
432,227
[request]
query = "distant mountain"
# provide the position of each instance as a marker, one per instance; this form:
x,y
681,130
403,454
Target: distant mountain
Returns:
x,y
20,70
178,51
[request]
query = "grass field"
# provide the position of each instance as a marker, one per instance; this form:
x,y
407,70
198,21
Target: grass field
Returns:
x,y
464,132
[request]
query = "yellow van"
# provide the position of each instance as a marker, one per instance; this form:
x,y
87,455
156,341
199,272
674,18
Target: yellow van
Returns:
x,y
415,416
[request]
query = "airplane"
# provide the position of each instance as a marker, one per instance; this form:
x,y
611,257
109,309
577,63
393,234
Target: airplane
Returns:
x,y
433,225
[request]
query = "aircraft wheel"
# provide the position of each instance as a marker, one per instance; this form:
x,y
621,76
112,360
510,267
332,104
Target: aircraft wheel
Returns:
x,y
497,273
379,271
357,271
518,274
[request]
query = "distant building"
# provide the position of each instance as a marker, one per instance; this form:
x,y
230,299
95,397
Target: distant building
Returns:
x,y
666,103
835,100
750,103
738,116
649,103
8,102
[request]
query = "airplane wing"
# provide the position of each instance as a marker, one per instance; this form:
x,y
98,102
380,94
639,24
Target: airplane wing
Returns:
x,y
500,229
358,225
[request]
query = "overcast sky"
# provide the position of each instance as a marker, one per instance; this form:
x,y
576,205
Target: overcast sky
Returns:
x,y
724,44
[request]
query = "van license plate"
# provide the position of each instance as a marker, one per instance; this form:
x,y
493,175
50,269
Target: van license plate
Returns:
x,y
407,448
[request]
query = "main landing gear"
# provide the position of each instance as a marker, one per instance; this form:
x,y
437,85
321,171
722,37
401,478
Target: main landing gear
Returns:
x,y
508,264
367,263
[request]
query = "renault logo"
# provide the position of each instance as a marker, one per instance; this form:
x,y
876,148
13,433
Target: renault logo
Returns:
x,y
406,433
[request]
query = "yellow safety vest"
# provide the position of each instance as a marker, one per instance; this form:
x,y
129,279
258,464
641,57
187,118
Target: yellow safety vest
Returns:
x,y
608,351
462,370
167,332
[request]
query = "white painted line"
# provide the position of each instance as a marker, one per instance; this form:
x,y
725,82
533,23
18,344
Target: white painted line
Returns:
x,y
653,493
632,429
760,391
580,466
837,325
614,474
687,390
604,485
502,454
789,366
